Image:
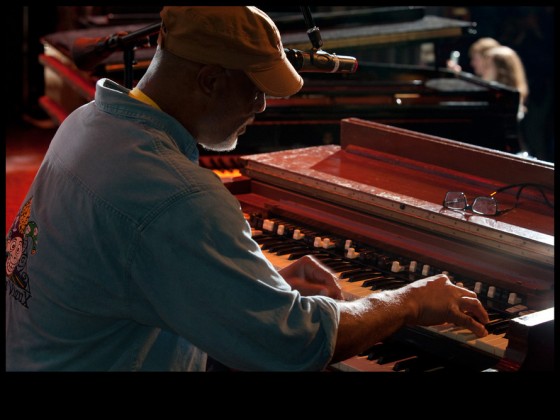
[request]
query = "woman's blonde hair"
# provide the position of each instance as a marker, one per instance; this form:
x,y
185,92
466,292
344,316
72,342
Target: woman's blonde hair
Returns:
x,y
482,45
509,69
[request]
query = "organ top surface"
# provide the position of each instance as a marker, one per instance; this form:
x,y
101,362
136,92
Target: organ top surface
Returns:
x,y
402,175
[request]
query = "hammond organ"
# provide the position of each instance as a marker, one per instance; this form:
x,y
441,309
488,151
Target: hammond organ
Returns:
x,y
371,209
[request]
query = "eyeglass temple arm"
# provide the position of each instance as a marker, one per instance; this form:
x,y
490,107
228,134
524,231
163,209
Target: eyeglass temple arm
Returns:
x,y
522,186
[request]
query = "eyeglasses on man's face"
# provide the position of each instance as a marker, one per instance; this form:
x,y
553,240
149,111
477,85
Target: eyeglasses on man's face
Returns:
x,y
488,206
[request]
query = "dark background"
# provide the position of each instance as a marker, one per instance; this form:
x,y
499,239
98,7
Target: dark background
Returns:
x,y
527,29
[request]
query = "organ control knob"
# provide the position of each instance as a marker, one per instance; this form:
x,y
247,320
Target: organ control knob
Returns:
x,y
425,270
280,230
491,291
477,287
297,234
396,267
412,266
268,225
513,299
352,253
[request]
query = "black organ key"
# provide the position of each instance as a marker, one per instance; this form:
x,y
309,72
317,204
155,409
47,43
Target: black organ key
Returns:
x,y
376,351
388,285
264,239
352,271
407,365
338,266
420,364
289,250
266,244
383,284
305,251
384,353
372,349
494,315
376,279
497,326
284,247
365,275
326,257
395,355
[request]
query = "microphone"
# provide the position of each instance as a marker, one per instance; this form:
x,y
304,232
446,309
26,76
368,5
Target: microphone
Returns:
x,y
319,61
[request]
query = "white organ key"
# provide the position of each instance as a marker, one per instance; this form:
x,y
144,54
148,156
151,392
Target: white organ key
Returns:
x,y
460,334
494,344
441,328
500,347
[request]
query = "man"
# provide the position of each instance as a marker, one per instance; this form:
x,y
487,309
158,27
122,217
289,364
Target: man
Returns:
x,y
143,260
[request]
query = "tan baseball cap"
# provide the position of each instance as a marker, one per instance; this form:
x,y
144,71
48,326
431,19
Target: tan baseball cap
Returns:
x,y
234,37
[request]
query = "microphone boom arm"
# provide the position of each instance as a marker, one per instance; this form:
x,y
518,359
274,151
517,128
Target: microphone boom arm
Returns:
x,y
312,30
88,52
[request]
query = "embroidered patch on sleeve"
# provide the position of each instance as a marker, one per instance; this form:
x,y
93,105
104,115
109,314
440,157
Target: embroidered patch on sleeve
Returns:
x,y
21,242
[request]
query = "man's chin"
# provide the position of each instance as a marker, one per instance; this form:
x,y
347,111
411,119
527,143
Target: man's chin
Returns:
x,y
222,147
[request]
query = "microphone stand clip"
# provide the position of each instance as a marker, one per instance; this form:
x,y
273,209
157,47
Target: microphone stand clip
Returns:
x,y
88,52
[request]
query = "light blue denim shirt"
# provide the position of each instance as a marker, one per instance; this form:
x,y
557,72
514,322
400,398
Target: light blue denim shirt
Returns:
x,y
127,255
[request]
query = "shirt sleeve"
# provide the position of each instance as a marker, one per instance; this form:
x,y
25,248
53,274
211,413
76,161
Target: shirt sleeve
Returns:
x,y
206,279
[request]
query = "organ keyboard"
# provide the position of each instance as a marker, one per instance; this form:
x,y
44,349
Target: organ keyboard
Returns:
x,y
360,277
370,209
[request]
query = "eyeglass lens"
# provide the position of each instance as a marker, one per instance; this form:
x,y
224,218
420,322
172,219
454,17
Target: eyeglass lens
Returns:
x,y
456,200
485,205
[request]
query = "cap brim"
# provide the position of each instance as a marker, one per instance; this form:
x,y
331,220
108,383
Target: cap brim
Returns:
x,y
280,80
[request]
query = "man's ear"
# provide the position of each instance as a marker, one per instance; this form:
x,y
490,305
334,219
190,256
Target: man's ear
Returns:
x,y
209,78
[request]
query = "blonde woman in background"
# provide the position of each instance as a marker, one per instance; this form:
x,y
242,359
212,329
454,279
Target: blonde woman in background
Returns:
x,y
504,66
477,54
